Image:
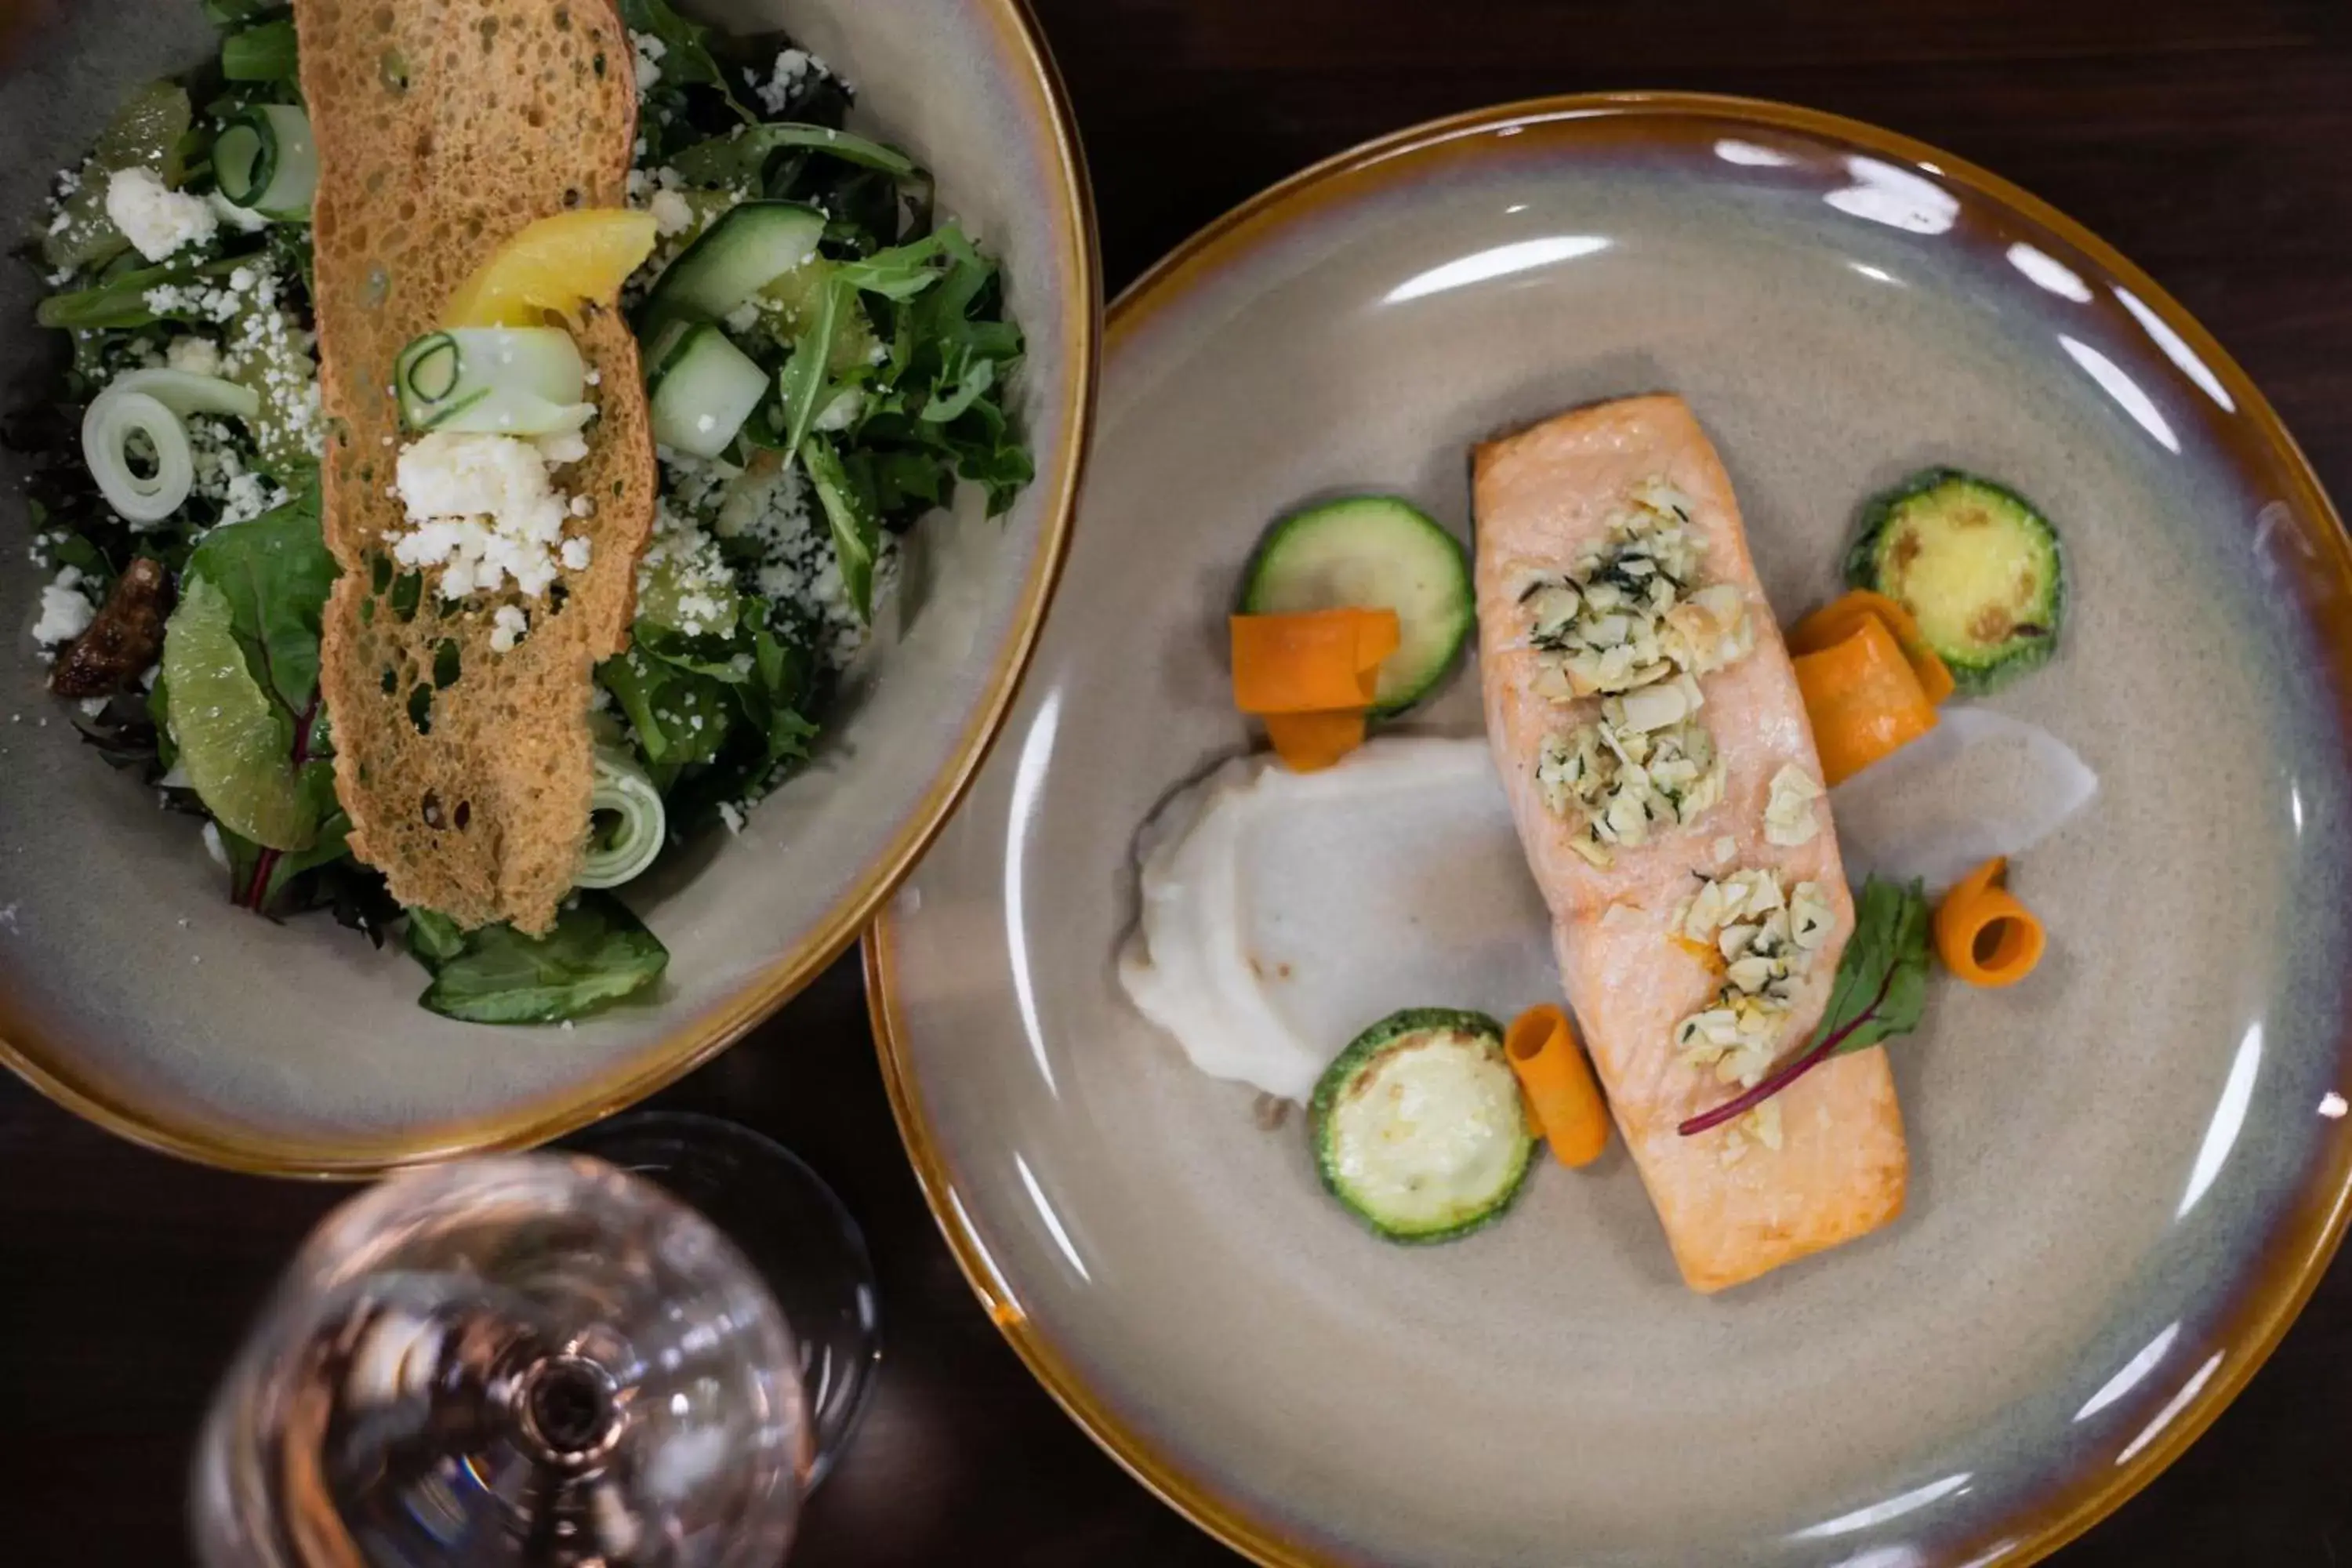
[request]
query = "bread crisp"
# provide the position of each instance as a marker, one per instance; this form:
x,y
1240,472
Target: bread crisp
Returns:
x,y
443,127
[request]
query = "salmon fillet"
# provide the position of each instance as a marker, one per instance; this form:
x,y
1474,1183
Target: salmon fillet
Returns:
x,y
1733,1206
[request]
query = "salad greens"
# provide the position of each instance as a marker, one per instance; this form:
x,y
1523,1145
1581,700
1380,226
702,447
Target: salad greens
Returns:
x,y
1879,992
598,951
885,353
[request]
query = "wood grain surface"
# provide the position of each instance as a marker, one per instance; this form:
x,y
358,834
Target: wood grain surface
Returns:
x,y
2209,140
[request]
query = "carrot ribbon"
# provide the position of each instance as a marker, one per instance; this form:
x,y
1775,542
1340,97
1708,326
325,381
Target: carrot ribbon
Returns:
x,y
1982,933
1557,1083
1312,676
1864,698
1843,616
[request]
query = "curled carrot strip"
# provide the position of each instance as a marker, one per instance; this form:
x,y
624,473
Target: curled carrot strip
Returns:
x,y
1308,743
1557,1083
1312,661
1982,933
1311,676
1863,699
1838,620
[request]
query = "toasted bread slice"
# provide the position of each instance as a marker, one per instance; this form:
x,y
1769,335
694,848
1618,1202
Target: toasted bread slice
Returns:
x,y
443,127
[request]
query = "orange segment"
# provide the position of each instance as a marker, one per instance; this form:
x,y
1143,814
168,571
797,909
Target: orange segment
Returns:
x,y
554,265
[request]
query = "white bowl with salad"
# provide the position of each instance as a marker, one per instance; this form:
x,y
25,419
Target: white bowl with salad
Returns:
x,y
867,452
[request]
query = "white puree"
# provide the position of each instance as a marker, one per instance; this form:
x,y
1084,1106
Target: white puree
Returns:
x,y
1284,912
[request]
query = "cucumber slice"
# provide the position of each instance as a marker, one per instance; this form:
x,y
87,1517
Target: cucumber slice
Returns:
x,y
703,390
1418,1126
1372,552
264,161
1978,567
737,256
504,381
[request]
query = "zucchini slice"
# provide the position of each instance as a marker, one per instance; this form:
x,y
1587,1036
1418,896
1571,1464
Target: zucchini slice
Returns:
x,y
1976,564
1418,1127
1372,552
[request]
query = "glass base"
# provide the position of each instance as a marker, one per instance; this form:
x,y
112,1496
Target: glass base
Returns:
x,y
791,1228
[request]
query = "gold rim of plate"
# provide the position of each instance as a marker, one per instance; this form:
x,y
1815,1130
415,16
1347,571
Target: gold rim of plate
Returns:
x,y
674,1056
2251,1327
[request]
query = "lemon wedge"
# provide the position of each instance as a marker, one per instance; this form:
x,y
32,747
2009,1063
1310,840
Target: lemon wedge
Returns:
x,y
554,265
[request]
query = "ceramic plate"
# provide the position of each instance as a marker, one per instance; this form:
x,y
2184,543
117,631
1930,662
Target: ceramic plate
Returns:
x,y
129,989
2127,1172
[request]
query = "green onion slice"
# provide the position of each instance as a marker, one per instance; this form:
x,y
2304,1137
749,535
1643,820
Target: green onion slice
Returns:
x,y
626,796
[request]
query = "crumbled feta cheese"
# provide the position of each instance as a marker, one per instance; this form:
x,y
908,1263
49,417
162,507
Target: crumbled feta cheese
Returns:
x,y
731,814
221,476
484,512
66,614
92,707
156,219
649,51
508,624
576,552
558,447
672,213
194,356
793,69
744,317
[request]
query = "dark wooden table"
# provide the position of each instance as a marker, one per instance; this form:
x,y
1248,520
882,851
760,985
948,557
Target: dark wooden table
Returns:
x,y
2211,141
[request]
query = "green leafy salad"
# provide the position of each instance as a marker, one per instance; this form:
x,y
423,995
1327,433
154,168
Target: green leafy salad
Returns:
x,y
804,421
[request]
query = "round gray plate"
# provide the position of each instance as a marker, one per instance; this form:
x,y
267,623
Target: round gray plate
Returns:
x,y
2125,1172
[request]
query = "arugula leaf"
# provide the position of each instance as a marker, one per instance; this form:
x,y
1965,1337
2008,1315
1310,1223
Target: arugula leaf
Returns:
x,y
904,271
1880,992
681,717
849,513
267,52
737,158
772,731
754,690
960,386
597,953
804,375
276,573
686,57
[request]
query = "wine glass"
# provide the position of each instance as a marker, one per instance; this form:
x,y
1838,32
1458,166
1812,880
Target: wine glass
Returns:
x,y
795,1234
523,1360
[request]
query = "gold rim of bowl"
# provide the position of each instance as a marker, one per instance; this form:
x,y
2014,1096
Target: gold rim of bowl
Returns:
x,y
2317,1216
54,1075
